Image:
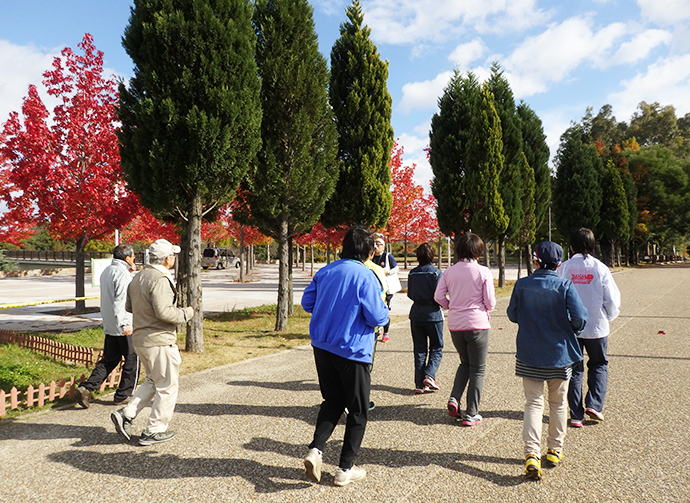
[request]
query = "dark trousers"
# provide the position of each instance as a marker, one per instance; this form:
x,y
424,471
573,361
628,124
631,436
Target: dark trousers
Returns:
x,y
472,346
427,341
344,384
389,296
597,378
114,348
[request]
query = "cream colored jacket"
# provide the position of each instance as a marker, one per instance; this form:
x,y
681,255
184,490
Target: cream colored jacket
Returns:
x,y
151,299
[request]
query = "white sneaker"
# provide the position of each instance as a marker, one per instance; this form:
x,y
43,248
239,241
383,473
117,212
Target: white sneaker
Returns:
x,y
344,477
312,465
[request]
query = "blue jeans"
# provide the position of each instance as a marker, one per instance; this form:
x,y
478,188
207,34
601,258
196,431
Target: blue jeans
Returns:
x,y
421,332
597,378
472,346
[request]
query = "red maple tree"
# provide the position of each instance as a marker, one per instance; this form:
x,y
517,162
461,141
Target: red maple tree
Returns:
x,y
413,217
64,170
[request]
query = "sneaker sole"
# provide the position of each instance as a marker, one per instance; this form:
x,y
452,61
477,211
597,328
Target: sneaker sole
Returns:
x,y
118,421
145,442
533,475
348,481
311,471
471,423
453,410
593,414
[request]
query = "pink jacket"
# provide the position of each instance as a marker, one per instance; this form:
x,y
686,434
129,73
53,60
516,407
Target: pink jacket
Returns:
x,y
470,295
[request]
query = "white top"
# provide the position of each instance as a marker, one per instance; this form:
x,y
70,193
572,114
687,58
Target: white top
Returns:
x,y
598,292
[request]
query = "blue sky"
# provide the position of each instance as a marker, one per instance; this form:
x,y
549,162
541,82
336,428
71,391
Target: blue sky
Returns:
x,y
560,56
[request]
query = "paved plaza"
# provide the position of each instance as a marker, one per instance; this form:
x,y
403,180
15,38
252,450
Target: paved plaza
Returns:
x,y
242,429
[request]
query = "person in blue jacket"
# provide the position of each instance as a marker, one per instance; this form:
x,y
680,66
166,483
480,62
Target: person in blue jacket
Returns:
x,y
426,320
549,314
346,306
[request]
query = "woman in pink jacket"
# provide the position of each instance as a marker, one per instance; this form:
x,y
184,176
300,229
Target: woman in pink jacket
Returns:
x,y
467,290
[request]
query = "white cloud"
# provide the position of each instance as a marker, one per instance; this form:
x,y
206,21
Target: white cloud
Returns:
x,y
639,47
665,12
465,54
424,95
554,54
330,7
411,21
19,67
413,144
667,81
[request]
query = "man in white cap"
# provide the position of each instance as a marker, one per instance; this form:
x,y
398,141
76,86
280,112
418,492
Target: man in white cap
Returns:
x,y
151,298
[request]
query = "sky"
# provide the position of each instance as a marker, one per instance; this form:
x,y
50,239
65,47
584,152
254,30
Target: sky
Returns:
x,y
559,56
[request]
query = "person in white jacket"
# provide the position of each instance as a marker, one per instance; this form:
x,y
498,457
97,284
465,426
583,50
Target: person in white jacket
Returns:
x,y
600,295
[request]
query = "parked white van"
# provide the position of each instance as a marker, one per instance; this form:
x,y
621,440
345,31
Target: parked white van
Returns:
x,y
219,258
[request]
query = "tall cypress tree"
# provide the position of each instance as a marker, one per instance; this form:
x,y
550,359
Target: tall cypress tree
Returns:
x,y
296,168
615,217
537,154
510,178
577,191
362,107
190,118
484,161
448,140
525,235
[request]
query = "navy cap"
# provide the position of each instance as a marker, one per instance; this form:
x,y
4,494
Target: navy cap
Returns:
x,y
548,253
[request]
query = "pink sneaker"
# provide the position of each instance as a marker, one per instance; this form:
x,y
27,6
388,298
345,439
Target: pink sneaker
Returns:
x,y
471,420
576,423
431,383
385,338
453,409
421,391
593,414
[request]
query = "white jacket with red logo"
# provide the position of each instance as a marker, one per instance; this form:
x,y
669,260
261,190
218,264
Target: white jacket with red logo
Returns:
x,y
598,292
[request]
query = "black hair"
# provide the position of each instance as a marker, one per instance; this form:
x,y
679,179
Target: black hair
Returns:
x,y
469,246
121,252
358,244
425,254
582,241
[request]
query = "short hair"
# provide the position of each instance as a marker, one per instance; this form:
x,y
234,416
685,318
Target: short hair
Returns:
x,y
469,246
582,241
154,260
425,254
358,244
121,252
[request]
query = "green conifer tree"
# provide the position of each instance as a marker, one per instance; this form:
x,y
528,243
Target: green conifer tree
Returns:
x,y
448,140
615,218
362,107
577,191
190,119
296,167
510,177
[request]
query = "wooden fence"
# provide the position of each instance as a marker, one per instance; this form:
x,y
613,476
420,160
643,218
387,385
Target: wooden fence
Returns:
x,y
73,354
39,396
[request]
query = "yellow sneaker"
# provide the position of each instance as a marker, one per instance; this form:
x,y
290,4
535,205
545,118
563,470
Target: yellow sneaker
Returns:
x,y
553,458
533,467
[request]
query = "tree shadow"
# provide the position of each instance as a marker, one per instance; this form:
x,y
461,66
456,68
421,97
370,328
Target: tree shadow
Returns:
x,y
87,436
148,465
393,458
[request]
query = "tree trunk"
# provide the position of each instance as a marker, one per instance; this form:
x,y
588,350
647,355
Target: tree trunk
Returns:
x,y
501,259
405,252
242,257
291,297
283,277
528,259
79,285
519,269
312,260
328,253
440,253
195,326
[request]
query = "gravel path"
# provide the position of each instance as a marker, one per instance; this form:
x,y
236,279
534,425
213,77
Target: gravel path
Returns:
x,y
243,428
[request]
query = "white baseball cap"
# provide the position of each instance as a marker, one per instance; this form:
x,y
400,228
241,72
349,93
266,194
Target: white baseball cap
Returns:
x,y
162,248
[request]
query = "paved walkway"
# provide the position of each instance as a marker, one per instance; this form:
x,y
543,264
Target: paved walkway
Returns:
x,y
243,428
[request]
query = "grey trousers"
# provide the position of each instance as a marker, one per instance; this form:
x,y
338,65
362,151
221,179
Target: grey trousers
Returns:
x,y
472,346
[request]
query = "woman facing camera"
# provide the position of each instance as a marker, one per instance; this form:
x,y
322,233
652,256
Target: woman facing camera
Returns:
x,y
467,290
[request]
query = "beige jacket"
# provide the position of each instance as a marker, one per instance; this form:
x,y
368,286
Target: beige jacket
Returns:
x,y
151,300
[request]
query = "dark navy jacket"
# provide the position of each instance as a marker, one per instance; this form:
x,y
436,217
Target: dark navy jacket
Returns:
x,y
421,285
549,313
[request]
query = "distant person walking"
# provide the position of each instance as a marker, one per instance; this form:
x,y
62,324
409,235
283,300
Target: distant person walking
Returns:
x,y
151,297
549,313
600,295
344,299
467,290
385,260
117,326
426,320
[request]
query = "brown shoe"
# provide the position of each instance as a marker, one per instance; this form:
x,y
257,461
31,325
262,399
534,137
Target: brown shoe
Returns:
x,y
83,397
